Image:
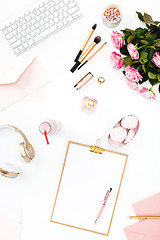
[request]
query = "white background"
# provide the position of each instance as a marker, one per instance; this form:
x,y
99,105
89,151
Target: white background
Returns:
x,y
37,185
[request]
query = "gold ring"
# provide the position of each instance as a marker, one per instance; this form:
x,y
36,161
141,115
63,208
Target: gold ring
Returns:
x,y
101,80
91,102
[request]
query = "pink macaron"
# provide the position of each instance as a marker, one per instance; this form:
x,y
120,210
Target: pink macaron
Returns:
x,y
118,134
129,122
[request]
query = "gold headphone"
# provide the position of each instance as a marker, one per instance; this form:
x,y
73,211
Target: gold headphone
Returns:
x,y
26,151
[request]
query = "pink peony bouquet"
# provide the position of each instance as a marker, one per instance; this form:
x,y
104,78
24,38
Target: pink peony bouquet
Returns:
x,y
141,50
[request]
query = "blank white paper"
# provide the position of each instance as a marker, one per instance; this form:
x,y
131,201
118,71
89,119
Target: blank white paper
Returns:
x,y
85,181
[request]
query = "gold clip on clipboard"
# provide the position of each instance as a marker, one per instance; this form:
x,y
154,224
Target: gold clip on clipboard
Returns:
x,y
84,181
97,148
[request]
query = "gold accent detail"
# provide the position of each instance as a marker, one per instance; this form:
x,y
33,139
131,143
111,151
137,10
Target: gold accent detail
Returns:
x,y
84,145
27,151
144,217
91,103
8,174
96,149
101,80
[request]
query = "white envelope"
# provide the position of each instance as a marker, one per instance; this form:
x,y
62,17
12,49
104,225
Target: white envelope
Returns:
x,y
21,81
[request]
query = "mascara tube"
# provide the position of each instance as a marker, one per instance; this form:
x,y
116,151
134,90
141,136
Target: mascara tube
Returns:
x,y
83,81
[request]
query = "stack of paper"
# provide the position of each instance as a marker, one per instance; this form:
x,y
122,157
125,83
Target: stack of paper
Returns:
x,y
146,229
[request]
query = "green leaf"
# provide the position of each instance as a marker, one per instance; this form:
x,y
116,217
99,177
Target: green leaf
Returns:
x,y
143,66
142,32
152,75
148,19
130,38
156,22
157,44
140,16
145,60
149,38
144,42
158,77
127,60
143,55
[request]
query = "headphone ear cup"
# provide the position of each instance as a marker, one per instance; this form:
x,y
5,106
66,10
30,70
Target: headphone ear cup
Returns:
x,y
27,153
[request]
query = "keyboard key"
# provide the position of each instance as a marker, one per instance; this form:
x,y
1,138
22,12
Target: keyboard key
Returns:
x,y
18,36
55,14
60,24
65,21
25,45
31,42
57,7
60,17
47,32
56,1
12,40
23,39
72,4
69,19
16,44
72,10
9,36
20,48
5,32
56,20
16,51
15,32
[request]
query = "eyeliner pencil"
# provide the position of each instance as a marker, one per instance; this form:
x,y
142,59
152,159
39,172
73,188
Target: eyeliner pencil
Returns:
x,y
92,55
144,217
85,43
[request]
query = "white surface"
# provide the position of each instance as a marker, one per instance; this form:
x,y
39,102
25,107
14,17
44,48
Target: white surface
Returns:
x,y
85,181
36,186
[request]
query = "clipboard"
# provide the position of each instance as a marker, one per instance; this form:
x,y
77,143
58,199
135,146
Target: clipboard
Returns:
x,y
87,173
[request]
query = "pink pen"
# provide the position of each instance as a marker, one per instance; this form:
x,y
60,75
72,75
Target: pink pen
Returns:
x,y
104,203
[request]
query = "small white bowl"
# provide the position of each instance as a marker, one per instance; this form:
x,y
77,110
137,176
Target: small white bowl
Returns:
x,y
116,124
108,23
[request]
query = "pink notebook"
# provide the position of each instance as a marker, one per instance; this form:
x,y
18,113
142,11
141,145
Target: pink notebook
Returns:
x,y
146,229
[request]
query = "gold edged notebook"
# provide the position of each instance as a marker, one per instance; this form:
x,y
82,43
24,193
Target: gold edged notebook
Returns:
x,y
85,178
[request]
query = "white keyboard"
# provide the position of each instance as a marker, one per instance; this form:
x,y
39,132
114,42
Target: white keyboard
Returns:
x,y
39,23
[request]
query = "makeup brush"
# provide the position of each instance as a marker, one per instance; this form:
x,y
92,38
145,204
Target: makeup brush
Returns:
x,y
92,55
85,43
84,55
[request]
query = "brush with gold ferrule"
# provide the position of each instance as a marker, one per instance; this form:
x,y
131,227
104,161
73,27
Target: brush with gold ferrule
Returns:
x,y
85,54
92,55
85,43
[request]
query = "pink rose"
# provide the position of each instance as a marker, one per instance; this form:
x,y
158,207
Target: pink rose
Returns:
x,y
132,74
147,93
116,61
133,51
133,85
156,59
117,39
